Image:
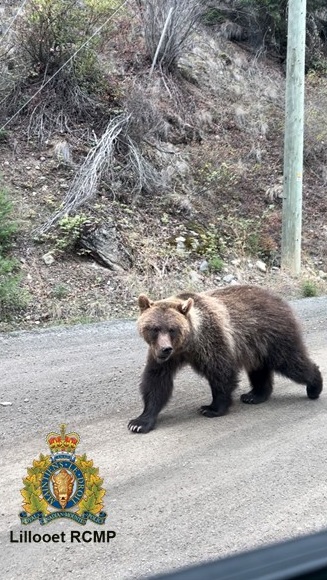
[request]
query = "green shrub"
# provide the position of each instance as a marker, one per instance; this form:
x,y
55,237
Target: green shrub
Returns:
x,y
50,31
12,297
309,289
3,136
60,291
69,231
7,227
264,23
212,16
208,242
215,264
48,34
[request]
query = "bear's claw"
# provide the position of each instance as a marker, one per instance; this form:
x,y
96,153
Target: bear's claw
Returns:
x,y
140,425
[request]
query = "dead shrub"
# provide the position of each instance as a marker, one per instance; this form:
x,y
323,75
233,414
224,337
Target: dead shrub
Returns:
x,y
183,16
119,159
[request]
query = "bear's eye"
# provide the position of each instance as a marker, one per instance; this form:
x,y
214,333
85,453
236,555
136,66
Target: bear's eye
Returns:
x,y
172,331
152,329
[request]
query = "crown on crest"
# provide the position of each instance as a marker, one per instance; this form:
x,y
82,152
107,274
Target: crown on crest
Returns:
x,y
63,442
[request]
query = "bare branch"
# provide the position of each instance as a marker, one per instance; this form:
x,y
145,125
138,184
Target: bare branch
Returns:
x,y
167,28
118,154
85,183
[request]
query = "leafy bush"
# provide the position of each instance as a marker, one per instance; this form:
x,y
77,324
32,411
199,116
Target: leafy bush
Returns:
x,y
48,34
60,291
216,264
3,136
70,229
264,23
309,289
7,227
50,31
12,297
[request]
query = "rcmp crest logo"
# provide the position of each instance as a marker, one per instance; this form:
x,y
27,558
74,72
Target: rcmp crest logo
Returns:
x,y
63,485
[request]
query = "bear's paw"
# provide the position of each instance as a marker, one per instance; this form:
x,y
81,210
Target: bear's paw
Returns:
x,y
141,425
252,398
210,411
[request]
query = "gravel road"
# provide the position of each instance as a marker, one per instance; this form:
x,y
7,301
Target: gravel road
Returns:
x,y
192,490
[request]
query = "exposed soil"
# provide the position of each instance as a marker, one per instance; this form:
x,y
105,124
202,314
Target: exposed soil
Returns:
x,y
228,181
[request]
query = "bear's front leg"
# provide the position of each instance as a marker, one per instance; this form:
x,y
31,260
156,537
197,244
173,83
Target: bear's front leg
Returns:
x,y
221,395
156,388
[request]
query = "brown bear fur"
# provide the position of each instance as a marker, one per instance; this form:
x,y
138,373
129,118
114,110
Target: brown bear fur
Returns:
x,y
219,333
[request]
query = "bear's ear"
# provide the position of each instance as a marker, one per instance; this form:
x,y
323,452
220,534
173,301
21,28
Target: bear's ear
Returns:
x,y
144,302
186,306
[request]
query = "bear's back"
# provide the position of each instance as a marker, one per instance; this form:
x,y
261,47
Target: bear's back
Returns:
x,y
252,321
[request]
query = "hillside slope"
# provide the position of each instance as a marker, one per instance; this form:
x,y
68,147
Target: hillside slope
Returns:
x,y
213,133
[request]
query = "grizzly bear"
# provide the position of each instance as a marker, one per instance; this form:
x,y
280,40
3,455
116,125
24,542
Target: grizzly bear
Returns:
x,y
219,333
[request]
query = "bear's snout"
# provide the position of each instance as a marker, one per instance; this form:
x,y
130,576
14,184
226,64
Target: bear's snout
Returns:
x,y
165,352
164,347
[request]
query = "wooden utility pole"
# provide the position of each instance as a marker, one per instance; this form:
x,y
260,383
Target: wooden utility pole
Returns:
x,y
293,144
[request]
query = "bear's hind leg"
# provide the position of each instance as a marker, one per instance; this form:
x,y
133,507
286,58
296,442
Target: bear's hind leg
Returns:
x,y
302,370
262,386
314,385
221,397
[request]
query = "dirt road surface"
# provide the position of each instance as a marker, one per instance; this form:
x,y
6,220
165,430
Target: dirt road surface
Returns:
x,y
192,490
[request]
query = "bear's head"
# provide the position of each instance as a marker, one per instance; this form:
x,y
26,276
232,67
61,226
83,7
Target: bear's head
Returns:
x,y
164,325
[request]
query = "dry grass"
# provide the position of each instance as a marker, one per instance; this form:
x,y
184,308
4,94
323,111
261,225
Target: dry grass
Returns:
x,y
315,136
210,144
